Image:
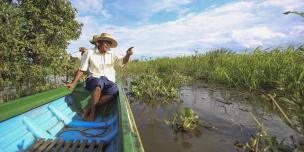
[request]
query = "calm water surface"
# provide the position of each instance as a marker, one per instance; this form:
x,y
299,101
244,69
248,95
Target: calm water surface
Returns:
x,y
228,111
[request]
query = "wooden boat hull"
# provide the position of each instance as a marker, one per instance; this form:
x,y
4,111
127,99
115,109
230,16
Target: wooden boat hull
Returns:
x,y
57,119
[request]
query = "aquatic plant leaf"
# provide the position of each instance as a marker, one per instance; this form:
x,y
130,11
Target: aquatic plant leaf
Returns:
x,y
185,120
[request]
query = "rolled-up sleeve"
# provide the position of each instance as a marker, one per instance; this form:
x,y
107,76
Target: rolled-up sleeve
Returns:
x,y
118,58
84,65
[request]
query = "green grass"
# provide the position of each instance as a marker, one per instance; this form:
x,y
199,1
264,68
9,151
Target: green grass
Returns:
x,y
277,71
268,70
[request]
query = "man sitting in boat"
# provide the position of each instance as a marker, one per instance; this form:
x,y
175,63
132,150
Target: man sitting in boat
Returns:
x,y
100,63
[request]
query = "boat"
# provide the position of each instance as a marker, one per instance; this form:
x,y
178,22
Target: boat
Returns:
x,y
50,121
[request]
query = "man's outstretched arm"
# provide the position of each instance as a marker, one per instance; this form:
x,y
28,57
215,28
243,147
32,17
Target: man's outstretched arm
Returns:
x,y
77,76
127,56
83,67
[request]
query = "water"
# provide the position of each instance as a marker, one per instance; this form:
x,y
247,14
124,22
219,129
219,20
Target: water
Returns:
x,y
227,110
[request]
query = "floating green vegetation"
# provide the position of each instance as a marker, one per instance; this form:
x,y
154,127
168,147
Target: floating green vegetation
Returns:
x,y
278,71
153,86
184,120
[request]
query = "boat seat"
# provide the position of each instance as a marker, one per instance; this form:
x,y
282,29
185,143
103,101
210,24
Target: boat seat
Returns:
x,y
50,145
35,129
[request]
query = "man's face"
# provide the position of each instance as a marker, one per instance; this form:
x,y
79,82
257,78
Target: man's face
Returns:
x,y
103,46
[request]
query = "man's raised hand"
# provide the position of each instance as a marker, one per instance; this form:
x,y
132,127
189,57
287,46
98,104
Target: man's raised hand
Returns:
x,y
130,51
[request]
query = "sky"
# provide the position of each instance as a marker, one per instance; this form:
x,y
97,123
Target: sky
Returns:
x,y
158,28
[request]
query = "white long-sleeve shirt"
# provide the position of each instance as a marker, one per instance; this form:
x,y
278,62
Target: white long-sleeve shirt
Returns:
x,y
100,64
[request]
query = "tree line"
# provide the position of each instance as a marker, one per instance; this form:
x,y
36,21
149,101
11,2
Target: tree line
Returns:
x,y
33,40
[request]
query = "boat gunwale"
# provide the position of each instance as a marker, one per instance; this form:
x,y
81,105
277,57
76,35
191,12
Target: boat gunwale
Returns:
x,y
129,136
16,107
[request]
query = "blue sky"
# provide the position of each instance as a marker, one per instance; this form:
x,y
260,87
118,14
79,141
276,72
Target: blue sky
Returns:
x,y
178,27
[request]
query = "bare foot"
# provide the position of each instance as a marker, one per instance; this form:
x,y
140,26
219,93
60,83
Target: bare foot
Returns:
x,y
89,118
86,112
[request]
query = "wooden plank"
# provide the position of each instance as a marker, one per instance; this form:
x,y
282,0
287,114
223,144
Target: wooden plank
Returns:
x,y
67,145
92,145
75,145
100,147
44,145
36,145
59,145
83,145
51,145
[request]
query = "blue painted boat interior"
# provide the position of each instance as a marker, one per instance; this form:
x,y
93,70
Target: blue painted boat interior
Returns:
x,y
56,120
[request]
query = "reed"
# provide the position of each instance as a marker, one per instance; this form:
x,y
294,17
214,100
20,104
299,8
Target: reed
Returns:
x,y
278,71
262,142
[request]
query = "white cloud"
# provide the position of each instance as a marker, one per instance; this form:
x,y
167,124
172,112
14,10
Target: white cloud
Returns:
x,y
238,25
169,4
285,5
253,37
144,9
94,7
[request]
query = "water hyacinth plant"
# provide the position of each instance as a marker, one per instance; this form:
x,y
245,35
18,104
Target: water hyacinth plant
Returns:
x,y
279,71
152,87
184,120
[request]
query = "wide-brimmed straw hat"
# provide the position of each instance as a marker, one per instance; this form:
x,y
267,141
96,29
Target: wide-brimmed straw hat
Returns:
x,y
104,36
93,39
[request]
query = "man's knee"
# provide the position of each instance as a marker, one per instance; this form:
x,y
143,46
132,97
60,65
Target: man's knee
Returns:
x,y
98,88
95,103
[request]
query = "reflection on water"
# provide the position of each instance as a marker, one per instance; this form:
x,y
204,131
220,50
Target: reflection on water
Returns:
x,y
228,111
